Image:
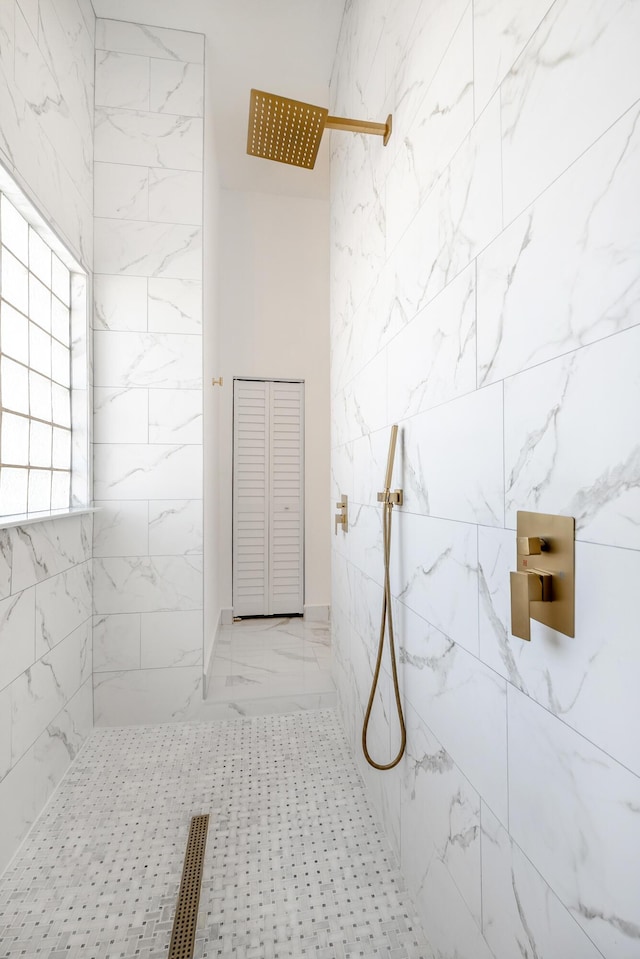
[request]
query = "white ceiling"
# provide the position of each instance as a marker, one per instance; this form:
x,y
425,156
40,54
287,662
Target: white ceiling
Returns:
x,y
281,46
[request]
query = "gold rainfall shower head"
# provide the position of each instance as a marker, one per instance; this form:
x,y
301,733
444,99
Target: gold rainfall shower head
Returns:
x,y
290,131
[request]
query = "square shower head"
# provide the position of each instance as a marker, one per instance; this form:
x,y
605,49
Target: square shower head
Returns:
x,y
288,131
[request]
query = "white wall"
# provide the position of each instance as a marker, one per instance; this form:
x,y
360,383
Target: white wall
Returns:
x,y
273,323
486,296
148,537
46,143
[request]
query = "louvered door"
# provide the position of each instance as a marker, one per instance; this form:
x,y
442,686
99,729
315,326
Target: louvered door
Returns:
x,y
268,502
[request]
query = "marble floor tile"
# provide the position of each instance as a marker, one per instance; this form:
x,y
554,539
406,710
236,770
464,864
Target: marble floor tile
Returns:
x,y
269,658
295,865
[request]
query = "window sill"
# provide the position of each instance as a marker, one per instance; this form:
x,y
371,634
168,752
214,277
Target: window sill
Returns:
x,y
28,519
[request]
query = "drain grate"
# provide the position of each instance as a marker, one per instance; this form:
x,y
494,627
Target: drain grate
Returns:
x,y
183,934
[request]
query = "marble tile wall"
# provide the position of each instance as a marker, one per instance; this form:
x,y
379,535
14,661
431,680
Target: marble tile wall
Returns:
x,y
46,143
485,295
148,541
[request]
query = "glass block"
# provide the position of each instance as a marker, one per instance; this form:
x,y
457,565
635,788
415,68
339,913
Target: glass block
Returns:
x,y
14,333
40,396
39,491
60,280
14,230
39,258
14,440
60,363
13,490
61,401
39,350
14,386
61,449
60,325
60,490
40,444
39,303
15,281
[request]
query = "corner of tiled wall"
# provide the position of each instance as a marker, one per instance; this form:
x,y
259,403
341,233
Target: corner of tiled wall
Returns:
x,y
148,539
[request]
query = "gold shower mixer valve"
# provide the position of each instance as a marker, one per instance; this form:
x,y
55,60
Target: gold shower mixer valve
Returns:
x,y
341,518
543,585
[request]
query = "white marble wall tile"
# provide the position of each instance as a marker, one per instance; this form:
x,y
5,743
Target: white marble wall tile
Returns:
x,y
368,462
434,572
175,306
121,191
167,360
454,459
423,46
5,562
63,603
147,695
440,814
501,31
574,813
131,471
5,731
149,41
89,17
116,642
544,120
148,139
175,416
29,10
450,927
175,527
138,248
553,465
171,639
147,585
17,634
520,912
122,80
24,792
461,216
44,98
120,415
175,196
434,358
120,302
441,123
574,678
579,238
39,694
121,528
42,550
177,88
440,680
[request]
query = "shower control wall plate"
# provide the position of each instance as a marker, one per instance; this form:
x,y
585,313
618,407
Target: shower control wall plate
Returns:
x,y
556,535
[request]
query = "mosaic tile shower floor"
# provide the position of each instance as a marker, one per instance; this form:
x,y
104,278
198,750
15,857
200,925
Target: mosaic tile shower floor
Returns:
x,y
295,865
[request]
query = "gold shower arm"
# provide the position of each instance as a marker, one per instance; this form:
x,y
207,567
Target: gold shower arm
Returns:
x,y
360,126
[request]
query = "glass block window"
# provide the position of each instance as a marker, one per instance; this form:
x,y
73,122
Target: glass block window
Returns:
x,y
35,370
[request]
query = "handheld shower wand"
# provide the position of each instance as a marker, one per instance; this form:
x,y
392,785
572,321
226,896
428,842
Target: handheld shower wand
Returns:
x,y
389,500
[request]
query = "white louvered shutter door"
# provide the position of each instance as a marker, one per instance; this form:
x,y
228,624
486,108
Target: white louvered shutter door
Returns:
x,y
287,503
268,498
250,497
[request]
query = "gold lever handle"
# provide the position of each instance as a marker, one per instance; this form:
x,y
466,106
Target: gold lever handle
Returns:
x,y
527,587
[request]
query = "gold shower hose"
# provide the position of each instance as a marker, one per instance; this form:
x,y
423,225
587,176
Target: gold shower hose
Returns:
x,y
387,618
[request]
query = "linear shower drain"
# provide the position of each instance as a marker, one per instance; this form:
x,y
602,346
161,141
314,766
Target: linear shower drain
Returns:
x,y
183,934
